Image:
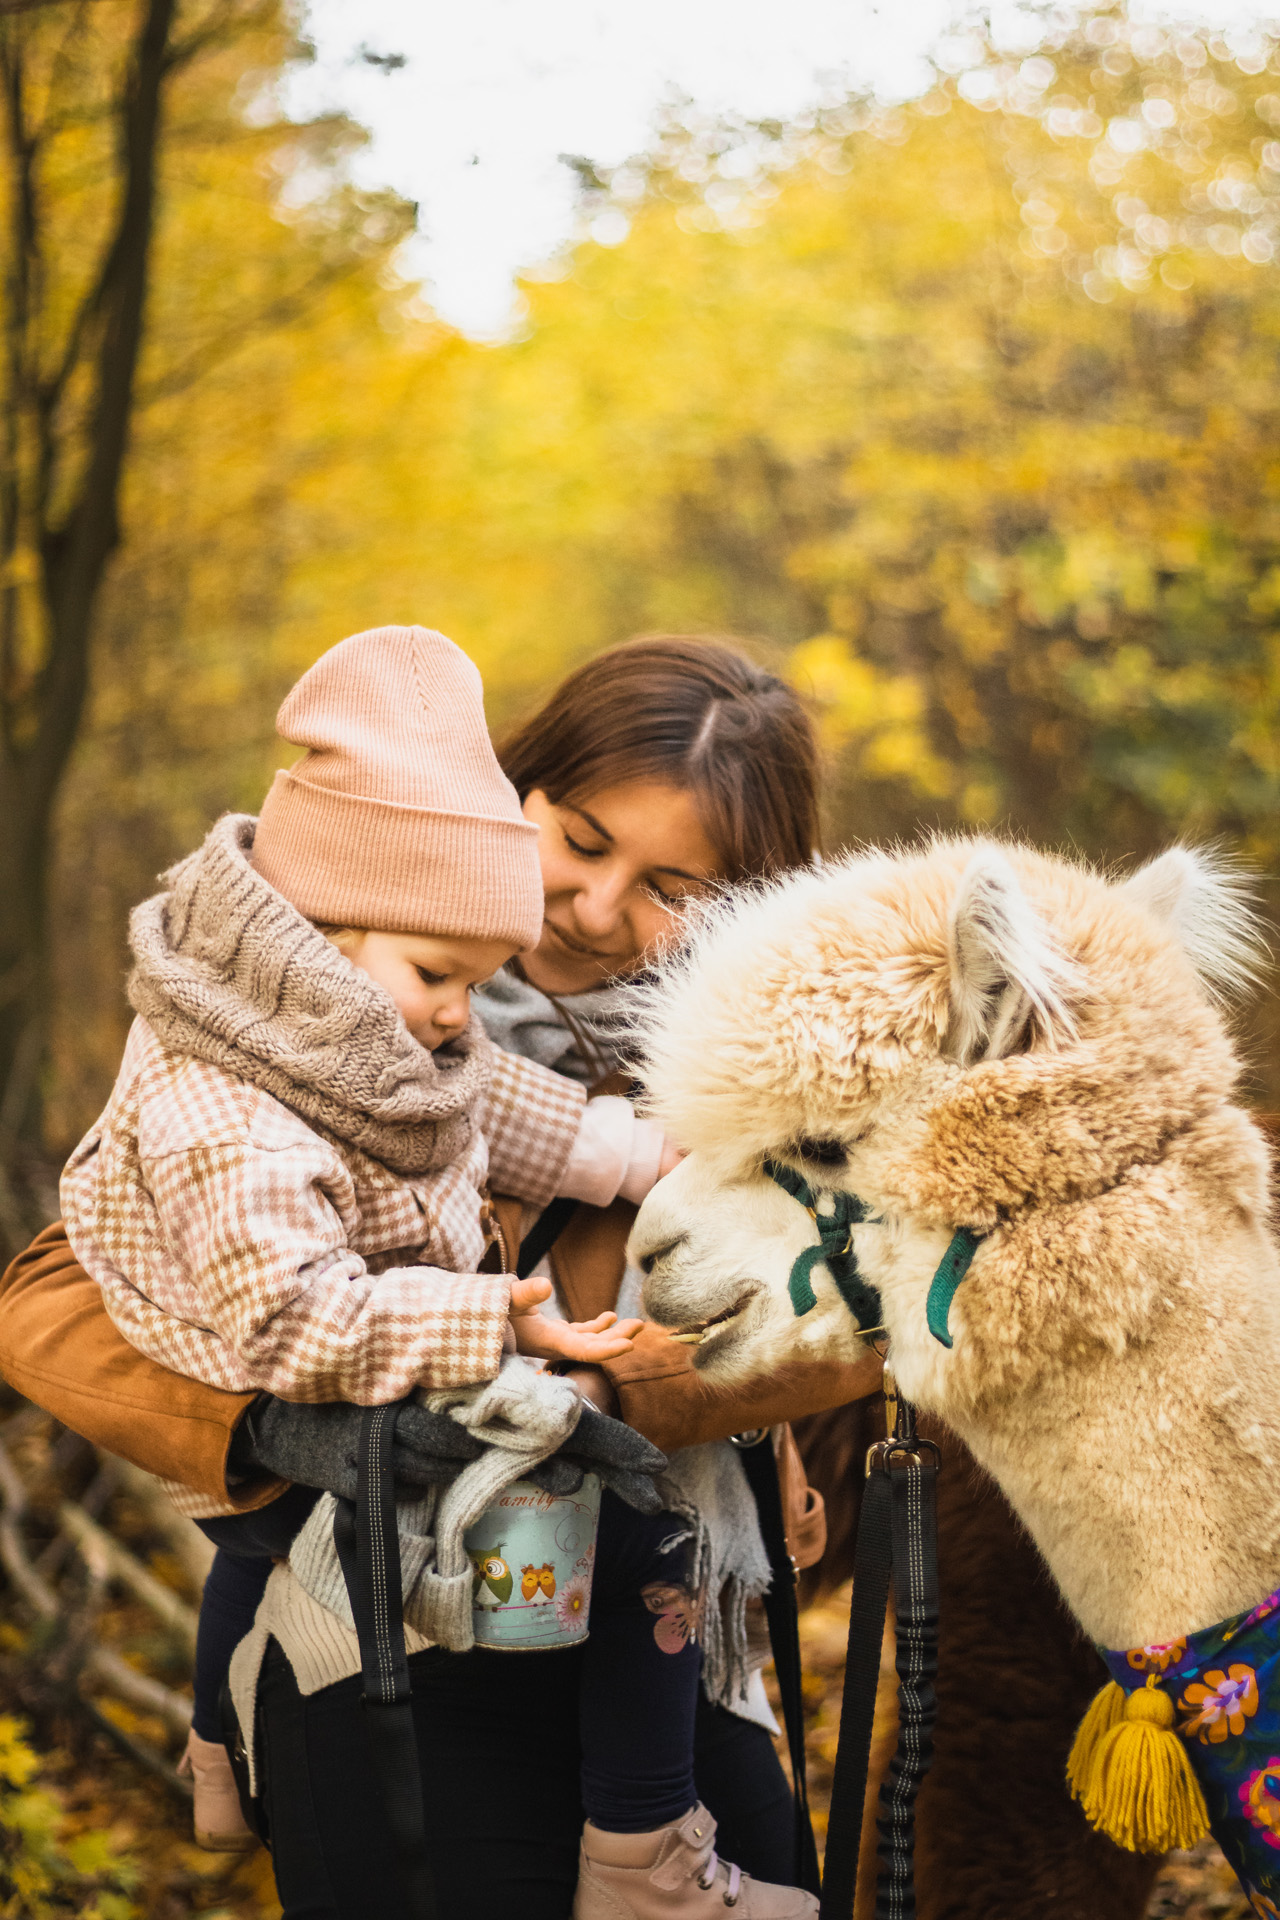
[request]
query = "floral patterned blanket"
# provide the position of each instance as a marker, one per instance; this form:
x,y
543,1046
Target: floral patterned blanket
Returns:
x,y
1225,1685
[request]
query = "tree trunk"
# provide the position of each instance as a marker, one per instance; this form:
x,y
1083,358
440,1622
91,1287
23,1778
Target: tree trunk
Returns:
x,y
42,711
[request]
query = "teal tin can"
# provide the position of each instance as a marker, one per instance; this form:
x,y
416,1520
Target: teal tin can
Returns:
x,y
532,1557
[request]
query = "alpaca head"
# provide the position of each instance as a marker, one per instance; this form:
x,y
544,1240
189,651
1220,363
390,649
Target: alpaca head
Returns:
x,y
955,1035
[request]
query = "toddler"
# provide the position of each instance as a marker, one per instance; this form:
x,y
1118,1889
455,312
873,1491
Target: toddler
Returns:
x,y
287,1189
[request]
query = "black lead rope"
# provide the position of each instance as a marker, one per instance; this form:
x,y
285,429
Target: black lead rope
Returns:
x,y
897,1537
872,1565
368,1544
915,1591
783,1615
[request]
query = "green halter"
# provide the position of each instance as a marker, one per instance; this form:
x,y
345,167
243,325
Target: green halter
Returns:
x,y
951,1270
834,1249
835,1252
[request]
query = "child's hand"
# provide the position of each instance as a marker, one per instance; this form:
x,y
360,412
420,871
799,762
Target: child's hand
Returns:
x,y
604,1338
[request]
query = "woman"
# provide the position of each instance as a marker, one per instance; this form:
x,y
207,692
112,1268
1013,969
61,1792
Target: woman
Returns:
x,y
655,774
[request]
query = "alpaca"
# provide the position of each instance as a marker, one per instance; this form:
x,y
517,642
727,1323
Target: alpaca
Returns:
x,y
997,1833
986,1037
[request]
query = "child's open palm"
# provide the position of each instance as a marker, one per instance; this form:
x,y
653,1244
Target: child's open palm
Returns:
x,y
604,1338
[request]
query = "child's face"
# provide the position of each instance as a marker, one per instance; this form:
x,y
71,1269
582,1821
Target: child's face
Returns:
x,y
429,976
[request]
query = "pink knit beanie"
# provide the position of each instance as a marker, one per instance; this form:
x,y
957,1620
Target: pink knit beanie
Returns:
x,y
399,818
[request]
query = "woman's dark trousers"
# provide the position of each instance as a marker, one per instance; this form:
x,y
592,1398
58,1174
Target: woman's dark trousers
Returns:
x,y
499,1736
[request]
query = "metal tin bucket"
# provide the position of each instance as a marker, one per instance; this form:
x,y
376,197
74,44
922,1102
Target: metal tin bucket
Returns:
x,y
533,1555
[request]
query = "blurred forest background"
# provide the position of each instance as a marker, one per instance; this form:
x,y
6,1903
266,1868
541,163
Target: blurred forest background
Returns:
x,y
963,413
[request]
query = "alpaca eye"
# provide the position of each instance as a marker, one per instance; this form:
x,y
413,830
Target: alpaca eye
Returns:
x,y
822,1153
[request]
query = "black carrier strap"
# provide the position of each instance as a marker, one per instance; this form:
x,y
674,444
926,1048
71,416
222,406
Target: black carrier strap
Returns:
x,y
368,1545
543,1234
897,1535
783,1614
872,1562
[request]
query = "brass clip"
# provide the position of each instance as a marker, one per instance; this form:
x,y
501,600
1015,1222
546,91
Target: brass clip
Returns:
x,y
890,1403
878,1449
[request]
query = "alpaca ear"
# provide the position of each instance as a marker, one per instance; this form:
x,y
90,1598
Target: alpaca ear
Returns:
x,y
1208,906
1005,968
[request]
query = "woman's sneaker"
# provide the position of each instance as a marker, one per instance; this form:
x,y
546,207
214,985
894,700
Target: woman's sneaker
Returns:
x,y
219,1822
674,1873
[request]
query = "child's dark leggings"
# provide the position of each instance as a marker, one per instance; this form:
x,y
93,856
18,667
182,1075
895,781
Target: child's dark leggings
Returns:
x,y
641,1667
640,1676
248,1544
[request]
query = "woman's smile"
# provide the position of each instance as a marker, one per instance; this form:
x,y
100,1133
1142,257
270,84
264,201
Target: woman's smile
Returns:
x,y
587,949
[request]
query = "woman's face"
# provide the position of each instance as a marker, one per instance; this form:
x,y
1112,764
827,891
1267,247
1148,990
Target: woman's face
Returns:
x,y
617,866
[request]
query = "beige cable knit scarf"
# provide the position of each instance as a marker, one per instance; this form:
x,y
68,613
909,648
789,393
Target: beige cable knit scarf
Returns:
x,y
229,971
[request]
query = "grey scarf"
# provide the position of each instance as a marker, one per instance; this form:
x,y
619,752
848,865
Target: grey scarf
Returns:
x,y
707,1486
581,1035
229,971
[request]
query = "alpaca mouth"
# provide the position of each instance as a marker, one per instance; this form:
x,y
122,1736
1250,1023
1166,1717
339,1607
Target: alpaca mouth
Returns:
x,y
696,1332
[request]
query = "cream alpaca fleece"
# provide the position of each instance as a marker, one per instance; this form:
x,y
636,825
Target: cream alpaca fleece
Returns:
x,y
991,1037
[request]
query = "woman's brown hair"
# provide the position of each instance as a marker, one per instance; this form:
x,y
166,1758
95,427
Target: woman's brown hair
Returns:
x,y
694,714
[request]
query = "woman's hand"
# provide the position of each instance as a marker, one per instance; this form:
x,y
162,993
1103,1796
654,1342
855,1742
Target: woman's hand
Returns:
x,y
604,1338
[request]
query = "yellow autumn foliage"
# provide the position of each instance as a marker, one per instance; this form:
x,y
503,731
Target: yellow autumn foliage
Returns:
x,y
964,413
47,1866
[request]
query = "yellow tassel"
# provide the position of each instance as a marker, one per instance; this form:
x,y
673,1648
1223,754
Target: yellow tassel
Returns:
x,y
1132,1774
1106,1710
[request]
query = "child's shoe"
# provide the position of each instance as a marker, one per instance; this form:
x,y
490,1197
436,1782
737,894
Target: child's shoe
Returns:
x,y
219,1822
674,1874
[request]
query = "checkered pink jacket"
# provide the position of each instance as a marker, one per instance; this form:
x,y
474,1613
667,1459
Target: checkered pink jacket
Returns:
x,y
237,1245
